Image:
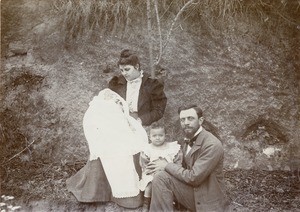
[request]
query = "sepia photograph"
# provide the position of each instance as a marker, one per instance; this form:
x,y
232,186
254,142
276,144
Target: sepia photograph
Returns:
x,y
150,106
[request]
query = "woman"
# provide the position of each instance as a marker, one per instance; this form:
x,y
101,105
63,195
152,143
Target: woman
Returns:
x,y
147,101
113,138
145,96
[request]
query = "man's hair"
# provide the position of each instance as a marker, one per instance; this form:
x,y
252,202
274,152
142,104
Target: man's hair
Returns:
x,y
127,57
195,107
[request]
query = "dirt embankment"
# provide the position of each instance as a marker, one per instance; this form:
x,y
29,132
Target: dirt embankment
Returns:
x,y
244,74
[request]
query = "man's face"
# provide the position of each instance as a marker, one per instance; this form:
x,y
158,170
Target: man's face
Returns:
x,y
190,122
157,136
130,72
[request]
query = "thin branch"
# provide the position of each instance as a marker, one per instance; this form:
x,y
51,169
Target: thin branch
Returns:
x,y
150,37
285,18
238,204
159,32
174,21
167,9
18,153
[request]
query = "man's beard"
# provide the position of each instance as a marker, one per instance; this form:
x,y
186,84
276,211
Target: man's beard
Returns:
x,y
189,132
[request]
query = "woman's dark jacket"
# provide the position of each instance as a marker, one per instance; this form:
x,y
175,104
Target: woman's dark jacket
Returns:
x,y
152,100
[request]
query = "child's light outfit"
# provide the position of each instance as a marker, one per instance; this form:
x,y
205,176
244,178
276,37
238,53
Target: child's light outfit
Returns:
x,y
170,151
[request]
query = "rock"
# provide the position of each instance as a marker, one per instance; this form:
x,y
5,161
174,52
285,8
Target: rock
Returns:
x,y
17,48
270,167
287,168
269,151
279,190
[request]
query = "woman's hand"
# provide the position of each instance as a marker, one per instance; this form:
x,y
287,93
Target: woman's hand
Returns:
x,y
135,116
156,166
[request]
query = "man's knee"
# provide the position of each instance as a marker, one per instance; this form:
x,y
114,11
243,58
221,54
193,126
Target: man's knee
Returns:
x,y
160,178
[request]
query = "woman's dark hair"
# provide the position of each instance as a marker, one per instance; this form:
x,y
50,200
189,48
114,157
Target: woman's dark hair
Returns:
x,y
195,107
127,57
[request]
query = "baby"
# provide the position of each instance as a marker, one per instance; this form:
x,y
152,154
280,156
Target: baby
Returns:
x,y
114,137
158,149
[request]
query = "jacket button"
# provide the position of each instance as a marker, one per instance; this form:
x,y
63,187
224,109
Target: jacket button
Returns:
x,y
198,203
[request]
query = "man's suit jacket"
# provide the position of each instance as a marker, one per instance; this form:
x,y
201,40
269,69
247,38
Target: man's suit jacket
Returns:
x,y
152,100
203,171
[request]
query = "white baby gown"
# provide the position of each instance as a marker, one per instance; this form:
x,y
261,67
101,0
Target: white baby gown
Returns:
x,y
114,137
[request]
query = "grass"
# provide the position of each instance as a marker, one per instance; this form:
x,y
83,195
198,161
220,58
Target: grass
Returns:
x,y
249,190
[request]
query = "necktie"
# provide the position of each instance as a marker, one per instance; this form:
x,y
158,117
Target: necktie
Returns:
x,y
191,142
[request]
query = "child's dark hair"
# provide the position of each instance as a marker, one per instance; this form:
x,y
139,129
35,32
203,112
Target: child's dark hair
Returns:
x,y
157,125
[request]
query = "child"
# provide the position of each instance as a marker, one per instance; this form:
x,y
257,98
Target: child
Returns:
x,y
158,149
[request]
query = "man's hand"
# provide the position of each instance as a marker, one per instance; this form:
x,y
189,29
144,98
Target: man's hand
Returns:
x,y
156,166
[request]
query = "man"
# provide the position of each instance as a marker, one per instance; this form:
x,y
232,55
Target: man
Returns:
x,y
198,183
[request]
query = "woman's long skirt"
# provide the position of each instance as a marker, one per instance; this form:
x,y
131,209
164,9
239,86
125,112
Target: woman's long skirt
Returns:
x,y
90,184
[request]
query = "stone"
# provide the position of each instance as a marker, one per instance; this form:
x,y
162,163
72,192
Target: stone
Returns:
x,y
17,48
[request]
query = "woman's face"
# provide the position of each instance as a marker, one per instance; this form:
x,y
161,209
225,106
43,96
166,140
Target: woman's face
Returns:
x,y
130,72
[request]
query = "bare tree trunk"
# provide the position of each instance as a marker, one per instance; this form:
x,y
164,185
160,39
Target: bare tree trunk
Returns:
x,y
159,33
150,38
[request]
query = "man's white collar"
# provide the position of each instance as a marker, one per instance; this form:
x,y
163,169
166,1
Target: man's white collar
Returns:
x,y
198,131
